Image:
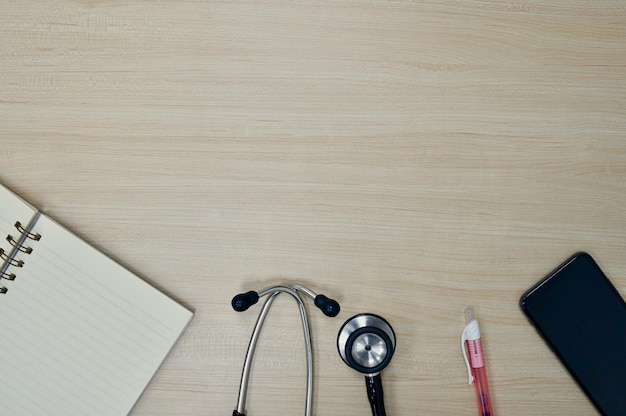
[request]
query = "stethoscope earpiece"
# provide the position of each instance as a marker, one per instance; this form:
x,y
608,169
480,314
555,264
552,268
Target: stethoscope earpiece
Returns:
x,y
328,306
243,301
366,343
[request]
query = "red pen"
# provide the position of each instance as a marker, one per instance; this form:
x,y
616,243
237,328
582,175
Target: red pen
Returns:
x,y
472,346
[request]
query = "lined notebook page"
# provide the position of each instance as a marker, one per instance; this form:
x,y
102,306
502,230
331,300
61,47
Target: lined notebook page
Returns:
x,y
80,334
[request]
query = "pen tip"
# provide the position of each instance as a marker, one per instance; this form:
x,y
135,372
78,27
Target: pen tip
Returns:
x,y
469,315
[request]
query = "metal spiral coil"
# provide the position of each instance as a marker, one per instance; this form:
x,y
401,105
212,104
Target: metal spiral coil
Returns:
x,y
26,233
8,276
15,243
8,258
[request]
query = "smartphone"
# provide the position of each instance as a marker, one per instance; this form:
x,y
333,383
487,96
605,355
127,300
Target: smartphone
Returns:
x,y
582,318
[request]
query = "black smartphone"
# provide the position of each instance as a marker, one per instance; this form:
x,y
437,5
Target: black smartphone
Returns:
x,y
582,317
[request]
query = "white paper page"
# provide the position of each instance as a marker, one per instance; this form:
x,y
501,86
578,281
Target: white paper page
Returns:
x,y
80,334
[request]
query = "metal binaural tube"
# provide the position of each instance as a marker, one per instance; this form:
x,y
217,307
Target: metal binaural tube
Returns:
x,y
245,374
274,291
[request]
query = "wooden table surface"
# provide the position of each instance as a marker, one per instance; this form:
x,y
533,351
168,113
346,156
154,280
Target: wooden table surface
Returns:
x,y
409,158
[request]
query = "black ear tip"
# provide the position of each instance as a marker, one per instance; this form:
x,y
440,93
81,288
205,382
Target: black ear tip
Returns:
x,y
243,301
328,306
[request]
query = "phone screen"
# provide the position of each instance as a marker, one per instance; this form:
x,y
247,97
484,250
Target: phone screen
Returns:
x,y
582,317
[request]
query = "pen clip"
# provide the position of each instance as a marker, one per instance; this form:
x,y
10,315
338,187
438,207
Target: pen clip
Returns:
x,y
471,332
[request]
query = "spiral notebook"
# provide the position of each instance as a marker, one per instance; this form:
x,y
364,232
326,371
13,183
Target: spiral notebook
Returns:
x,y
79,334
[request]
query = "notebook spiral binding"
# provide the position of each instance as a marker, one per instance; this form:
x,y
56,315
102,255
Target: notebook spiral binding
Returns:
x,y
19,245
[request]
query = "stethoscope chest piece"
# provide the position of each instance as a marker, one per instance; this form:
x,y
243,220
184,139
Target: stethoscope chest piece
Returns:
x,y
366,343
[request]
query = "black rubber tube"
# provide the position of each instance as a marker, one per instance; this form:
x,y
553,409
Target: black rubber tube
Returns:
x,y
375,395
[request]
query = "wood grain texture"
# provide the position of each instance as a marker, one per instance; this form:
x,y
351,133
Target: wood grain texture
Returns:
x,y
408,158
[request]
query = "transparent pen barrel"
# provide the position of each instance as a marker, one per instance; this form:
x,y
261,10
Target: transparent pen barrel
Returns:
x,y
479,371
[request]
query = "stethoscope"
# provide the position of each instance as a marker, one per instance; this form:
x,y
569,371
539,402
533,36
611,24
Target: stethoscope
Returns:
x,y
366,343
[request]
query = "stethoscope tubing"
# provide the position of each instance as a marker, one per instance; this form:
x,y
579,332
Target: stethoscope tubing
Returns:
x,y
374,385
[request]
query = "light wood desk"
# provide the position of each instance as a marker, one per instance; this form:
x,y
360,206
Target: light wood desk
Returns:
x,y
407,158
